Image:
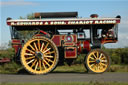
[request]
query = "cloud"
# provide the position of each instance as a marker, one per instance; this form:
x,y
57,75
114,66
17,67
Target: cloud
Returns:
x,y
17,3
124,21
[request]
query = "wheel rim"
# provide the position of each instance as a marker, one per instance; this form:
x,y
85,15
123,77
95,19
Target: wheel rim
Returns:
x,y
39,56
97,61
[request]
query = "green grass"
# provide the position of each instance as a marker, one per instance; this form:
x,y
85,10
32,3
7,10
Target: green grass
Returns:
x,y
118,68
9,68
80,68
68,83
14,68
8,53
70,69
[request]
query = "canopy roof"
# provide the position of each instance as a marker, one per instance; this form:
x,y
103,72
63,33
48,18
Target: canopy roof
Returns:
x,y
62,21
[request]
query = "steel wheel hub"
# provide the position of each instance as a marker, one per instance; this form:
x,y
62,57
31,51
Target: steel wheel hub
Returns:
x,y
39,55
97,61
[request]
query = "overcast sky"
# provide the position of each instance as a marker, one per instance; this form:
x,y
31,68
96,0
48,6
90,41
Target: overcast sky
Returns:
x,y
106,8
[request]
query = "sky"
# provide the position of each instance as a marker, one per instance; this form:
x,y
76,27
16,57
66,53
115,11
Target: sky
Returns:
x,y
104,8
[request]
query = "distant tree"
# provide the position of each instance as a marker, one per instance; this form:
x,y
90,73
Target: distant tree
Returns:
x,y
21,17
30,16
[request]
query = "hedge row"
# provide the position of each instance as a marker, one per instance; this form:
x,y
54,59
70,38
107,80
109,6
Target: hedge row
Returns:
x,y
118,55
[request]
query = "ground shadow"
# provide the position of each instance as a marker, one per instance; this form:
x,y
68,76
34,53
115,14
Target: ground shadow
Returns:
x,y
23,71
76,72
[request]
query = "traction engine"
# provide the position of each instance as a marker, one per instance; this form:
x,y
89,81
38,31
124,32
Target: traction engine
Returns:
x,y
53,38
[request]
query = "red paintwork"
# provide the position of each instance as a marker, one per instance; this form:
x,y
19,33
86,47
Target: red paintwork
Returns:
x,y
9,23
45,33
103,41
63,36
94,16
57,40
82,45
42,32
75,38
5,60
69,44
16,44
70,52
86,45
15,41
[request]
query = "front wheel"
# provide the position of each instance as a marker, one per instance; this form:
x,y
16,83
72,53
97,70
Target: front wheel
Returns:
x,y
39,55
97,61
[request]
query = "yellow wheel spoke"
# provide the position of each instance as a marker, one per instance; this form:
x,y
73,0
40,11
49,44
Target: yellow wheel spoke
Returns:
x,y
45,47
47,50
50,52
30,61
32,47
100,67
92,58
30,51
46,63
105,61
94,55
36,66
42,47
103,64
103,58
30,57
48,56
28,54
92,61
97,67
92,65
49,60
33,63
100,56
40,65
39,44
36,46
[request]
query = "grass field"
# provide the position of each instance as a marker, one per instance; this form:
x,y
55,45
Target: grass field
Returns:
x,y
116,57
81,68
77,68
70,83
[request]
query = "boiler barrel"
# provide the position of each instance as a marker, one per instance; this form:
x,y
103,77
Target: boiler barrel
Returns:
x,y
56,14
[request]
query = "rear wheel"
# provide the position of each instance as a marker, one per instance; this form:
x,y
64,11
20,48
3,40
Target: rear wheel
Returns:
x,y
39,55
97,61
